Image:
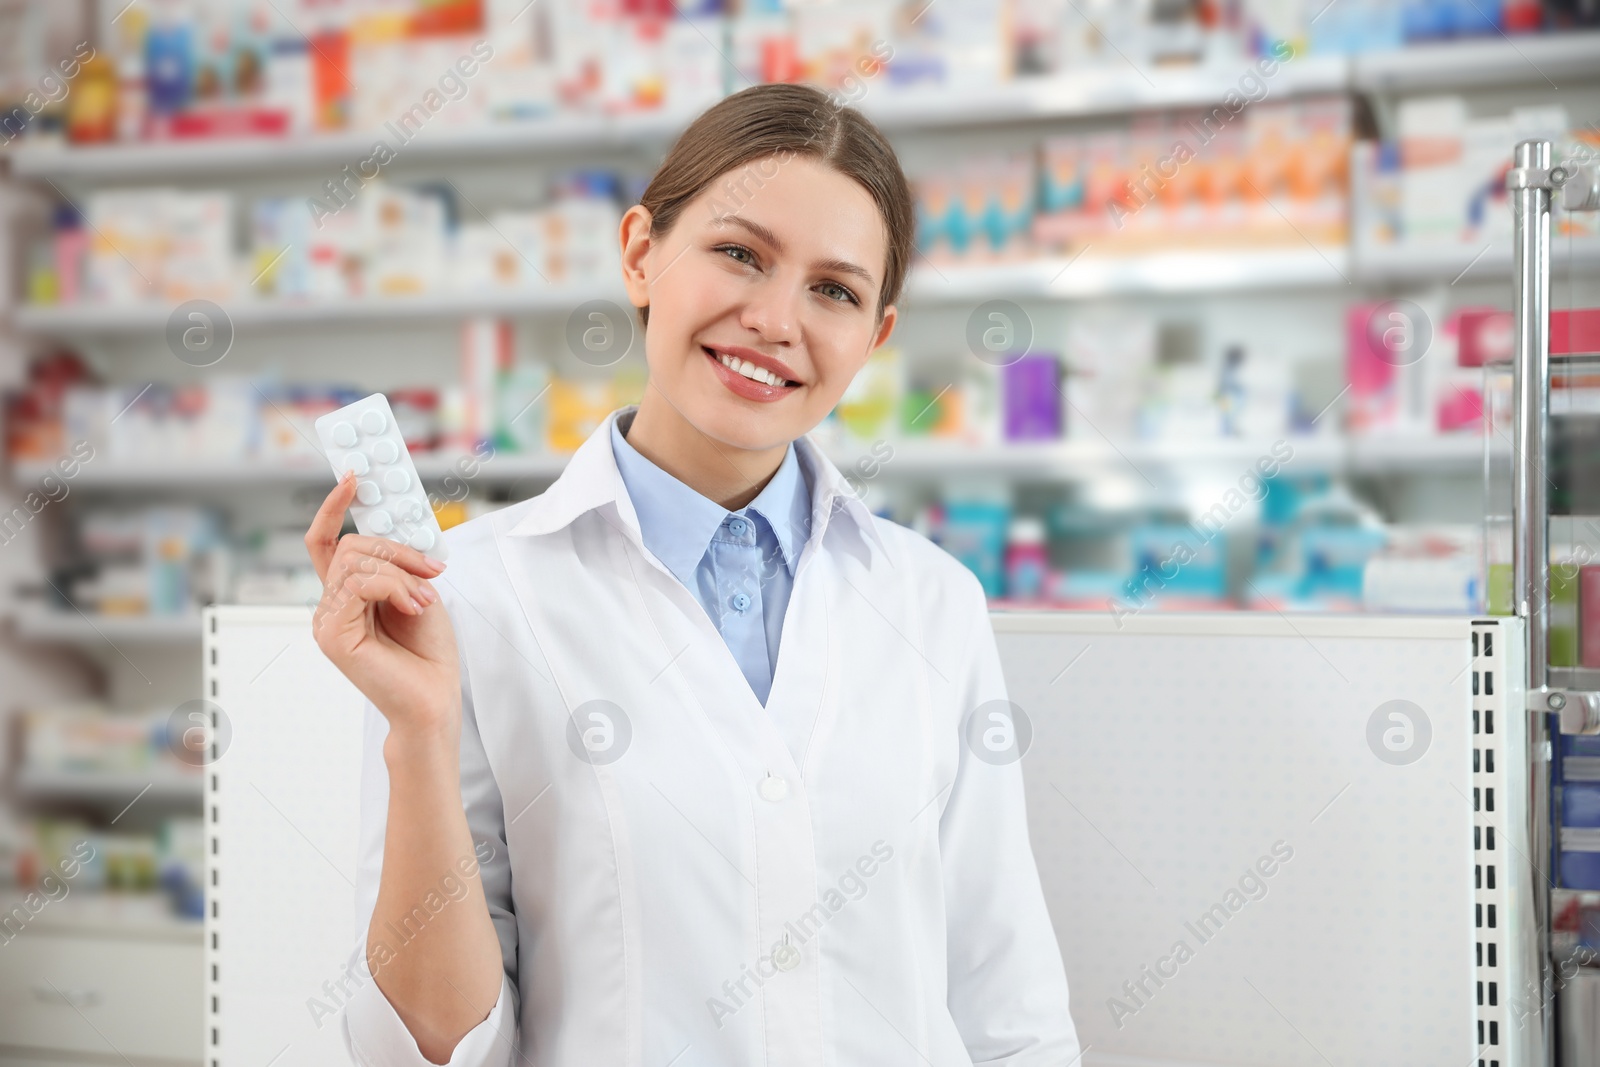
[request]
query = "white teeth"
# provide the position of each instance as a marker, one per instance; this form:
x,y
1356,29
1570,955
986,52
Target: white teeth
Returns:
x,y
750,370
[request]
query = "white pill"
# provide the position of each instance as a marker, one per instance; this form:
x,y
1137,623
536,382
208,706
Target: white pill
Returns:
x,y
411,511
373,422
356,464
380,522
344,435
422,540
396,481
368,493
385,451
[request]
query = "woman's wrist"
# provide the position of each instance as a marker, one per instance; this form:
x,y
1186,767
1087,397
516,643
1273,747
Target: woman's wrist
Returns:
x,y
432,744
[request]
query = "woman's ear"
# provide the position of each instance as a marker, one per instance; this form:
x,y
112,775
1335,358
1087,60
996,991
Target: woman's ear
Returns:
x,y
885,328
634,235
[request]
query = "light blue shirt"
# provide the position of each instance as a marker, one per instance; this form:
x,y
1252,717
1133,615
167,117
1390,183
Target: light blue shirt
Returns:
x,y
738,564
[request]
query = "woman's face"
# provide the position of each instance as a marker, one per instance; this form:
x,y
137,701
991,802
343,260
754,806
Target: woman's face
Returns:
x,y
777,264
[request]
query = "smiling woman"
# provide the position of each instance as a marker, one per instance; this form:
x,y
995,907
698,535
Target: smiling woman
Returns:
x,y
694,678
765,257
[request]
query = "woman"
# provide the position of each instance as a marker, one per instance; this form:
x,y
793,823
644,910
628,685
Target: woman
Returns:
x,y
671,765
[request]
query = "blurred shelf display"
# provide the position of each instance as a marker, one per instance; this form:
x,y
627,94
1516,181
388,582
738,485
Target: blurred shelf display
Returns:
x,y
502,468
113,788
1489,260
110,914
46,624
252,156
1091,275
1063,460
89,319
1547,59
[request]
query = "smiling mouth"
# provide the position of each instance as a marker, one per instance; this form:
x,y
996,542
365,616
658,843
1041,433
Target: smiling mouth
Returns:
x,y
746,369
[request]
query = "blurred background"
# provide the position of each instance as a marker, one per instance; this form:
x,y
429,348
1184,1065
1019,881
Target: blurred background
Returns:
x,y
1209,310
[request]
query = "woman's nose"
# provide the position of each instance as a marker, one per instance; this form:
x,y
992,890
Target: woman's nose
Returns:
x,y
772,310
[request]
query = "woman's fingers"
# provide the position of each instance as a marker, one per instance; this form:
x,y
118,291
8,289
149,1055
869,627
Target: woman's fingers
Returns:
x,y
356,581
322,537
402,556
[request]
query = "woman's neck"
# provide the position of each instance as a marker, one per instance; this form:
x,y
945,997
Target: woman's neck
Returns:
x,y
729,475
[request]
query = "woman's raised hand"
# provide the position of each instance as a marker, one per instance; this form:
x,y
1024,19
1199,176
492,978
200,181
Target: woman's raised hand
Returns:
x,y
381,623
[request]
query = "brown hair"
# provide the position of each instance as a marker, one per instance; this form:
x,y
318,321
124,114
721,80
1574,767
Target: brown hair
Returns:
x,y
785,120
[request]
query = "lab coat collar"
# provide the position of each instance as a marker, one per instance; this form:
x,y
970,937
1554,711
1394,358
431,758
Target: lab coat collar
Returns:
x,y
591,480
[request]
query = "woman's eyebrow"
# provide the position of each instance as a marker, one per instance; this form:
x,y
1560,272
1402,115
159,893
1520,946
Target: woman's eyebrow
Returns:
x,y
840,266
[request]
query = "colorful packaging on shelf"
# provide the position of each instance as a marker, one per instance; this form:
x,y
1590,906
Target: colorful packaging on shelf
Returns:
x,y
1032,398
577,408
871,402
486,356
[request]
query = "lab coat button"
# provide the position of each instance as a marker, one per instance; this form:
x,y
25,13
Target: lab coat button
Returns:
x,y
774,788
740,601
786,957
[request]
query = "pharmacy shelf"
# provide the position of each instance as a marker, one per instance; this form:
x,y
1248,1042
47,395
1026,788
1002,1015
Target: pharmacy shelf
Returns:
x,y
99,913
46,624
1064,460
1484,261
1542,59
1114,88
185,160
92,319
1549,60
1089,275
496,469
1092,274
1459,453
160,785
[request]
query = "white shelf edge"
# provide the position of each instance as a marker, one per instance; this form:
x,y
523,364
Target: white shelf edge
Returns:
x,y
46,624
911,457
1523,59
109,786
498,469
1480,261
85,318
251,155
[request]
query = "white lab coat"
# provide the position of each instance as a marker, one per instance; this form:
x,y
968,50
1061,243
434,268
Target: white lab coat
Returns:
x,y
643,900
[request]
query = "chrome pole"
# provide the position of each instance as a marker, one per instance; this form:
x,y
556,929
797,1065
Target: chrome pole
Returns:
x,y
1530,313
1529,187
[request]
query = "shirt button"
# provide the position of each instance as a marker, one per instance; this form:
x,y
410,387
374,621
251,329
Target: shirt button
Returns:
x,y
740,601
739,527
774,788
786,957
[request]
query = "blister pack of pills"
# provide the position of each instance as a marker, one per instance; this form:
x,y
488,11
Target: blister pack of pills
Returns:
x,y
390,501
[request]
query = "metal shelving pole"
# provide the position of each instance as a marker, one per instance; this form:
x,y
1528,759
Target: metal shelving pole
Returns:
x,y
1532,185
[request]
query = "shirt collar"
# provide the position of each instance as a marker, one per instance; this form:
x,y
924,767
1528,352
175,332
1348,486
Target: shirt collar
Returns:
x,y
591,480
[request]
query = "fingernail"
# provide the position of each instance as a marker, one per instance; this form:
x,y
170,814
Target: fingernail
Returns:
x,y
436,564
416,609
426,594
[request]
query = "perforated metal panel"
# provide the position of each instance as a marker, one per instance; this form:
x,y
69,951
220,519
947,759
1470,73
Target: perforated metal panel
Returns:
x,y
1172,752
